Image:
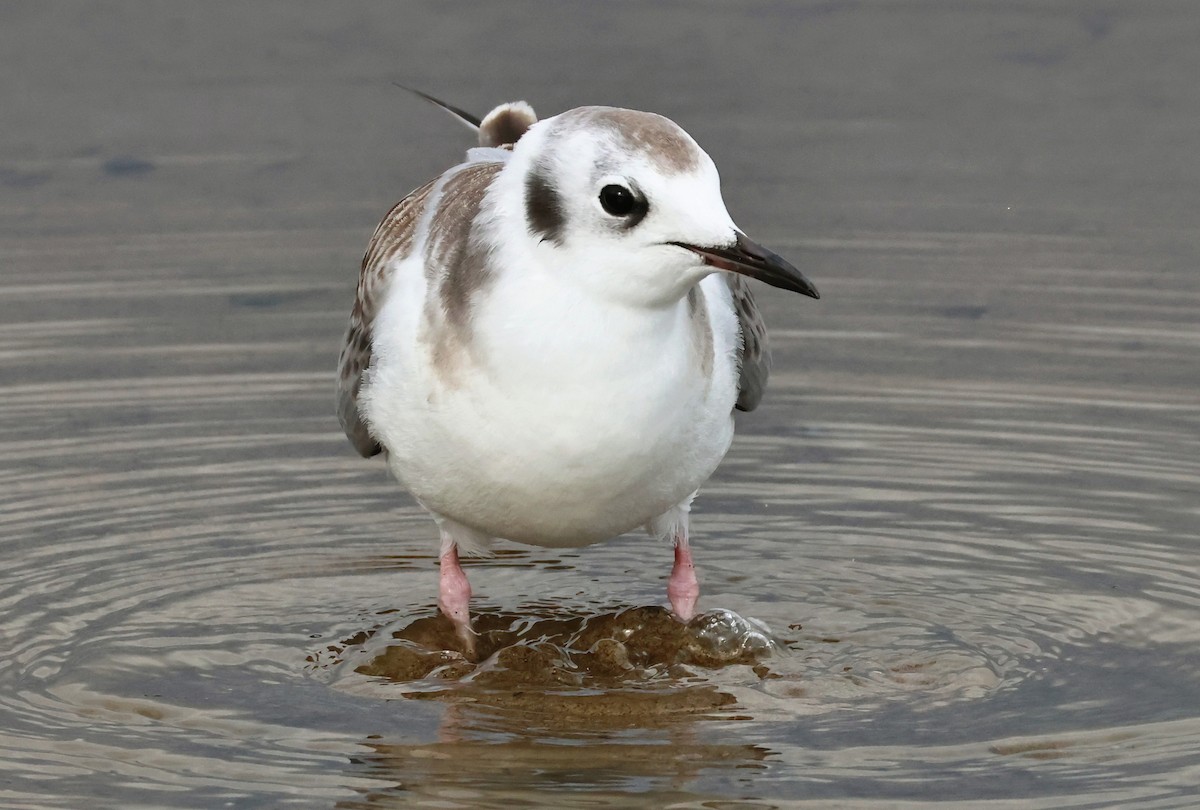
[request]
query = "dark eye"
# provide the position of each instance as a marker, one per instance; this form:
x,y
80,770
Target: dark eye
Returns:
x,y
617,200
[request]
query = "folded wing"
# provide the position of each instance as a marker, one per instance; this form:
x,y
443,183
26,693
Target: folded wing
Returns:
x,y
756,356
391,243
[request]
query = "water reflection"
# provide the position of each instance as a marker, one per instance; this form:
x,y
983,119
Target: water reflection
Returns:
x,y
609,703
656,771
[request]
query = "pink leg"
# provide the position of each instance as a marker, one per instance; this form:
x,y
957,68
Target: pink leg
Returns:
x,y
454,595
682,588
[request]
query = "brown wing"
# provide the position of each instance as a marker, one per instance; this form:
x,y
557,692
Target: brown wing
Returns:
x,y
756,355
392,241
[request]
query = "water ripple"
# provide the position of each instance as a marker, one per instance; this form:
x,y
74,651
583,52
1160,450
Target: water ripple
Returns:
x,y
950,559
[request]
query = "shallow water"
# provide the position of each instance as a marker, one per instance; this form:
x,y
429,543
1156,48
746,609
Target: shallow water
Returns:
x,y
964,522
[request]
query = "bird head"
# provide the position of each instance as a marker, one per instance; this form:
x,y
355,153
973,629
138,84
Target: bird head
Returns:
x,y
628,205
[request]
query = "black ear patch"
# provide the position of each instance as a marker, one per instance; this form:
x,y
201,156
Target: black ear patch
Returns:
x,y
543,207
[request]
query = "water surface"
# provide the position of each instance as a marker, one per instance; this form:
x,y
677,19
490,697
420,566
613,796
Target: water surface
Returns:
x,y
964,520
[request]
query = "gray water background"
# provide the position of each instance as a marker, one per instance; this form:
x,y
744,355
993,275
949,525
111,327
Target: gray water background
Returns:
x,y
969,506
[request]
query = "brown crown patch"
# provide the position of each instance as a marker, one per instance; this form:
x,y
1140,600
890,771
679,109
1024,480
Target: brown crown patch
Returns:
x,y
660,139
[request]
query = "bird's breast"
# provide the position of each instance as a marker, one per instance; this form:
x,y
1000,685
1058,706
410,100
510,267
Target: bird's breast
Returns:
x,y
560,425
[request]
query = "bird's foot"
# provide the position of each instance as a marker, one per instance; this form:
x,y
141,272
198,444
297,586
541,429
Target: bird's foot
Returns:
x,y
682,588
454,597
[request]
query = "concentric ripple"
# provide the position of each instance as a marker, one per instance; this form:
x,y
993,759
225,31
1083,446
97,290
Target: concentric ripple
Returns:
x,y
951,560
235,613
210,600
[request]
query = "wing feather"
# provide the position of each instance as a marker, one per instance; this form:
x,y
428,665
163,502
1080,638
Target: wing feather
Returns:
x,y
391,243
756,355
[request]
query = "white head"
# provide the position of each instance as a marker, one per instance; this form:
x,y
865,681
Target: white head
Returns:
x,y
630,207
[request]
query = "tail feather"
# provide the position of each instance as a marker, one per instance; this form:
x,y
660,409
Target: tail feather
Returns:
x,y
462,115
503,126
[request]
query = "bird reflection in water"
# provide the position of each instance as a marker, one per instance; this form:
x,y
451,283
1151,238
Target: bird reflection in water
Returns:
x,y
537,687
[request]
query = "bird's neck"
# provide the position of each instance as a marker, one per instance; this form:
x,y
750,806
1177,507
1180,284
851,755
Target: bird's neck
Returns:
x,y
563,330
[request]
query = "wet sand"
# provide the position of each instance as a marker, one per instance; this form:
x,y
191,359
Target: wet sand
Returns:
x,y
966,512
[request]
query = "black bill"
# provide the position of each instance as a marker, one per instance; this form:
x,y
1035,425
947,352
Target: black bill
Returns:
x,y
752,259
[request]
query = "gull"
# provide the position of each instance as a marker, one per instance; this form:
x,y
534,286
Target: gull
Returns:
x,y
549,340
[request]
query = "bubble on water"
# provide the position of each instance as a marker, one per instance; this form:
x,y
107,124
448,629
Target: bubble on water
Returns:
x,y
725,637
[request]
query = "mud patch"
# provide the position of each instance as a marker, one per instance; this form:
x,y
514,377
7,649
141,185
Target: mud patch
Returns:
x,y
625,666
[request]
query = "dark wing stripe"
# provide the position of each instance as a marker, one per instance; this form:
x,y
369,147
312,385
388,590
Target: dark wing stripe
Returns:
x,y
392,241
450,248
756,355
